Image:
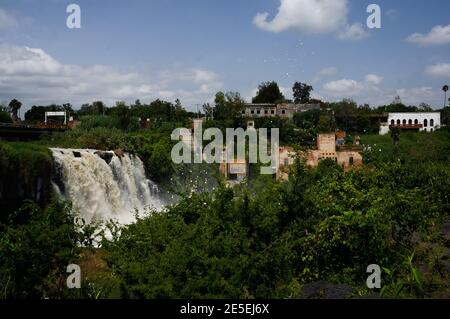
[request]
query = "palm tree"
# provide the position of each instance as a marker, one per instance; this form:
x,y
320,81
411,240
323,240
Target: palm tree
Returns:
x,y
445,89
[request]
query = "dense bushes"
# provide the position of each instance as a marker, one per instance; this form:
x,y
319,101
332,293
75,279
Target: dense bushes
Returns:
x,y
36,246
269,240
25,171
323,224
5,117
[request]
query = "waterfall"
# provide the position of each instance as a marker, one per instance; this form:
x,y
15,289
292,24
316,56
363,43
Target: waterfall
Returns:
x,y
102,185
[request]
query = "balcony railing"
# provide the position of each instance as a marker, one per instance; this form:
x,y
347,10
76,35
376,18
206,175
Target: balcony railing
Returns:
x,y
407,126
349,148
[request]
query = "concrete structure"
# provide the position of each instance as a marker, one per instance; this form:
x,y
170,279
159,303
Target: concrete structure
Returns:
x,y
329,146
286,110
54,114
286,158
235,172
415,121
340,137
346,156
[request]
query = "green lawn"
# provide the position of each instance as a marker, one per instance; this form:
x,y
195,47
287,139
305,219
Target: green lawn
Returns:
x,y
414,147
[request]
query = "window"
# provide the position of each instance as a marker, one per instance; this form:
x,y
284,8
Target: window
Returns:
x,y
425,123
266,112
398,122
350,161
258,112
243,112
410,122
416,122
432,123
283,112
286,162
404,122
272,112
253,112
392,122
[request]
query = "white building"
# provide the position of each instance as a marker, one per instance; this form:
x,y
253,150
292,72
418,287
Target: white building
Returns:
x,y
415,121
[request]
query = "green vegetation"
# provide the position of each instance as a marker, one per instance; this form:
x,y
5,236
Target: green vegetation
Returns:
x,y
274,239
36,245
267,239
268,92
5,117
25,173
414,148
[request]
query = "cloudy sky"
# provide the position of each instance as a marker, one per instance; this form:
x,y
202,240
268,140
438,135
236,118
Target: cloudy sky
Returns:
x,y
190,49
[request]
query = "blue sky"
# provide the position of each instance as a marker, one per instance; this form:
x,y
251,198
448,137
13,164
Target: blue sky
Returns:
x,y
190,49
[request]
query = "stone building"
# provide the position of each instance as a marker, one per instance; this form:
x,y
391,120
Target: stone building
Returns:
x,y
234,172
346,156
286,110
286,158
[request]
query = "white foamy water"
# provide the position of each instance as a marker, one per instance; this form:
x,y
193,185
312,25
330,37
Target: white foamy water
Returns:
x,y
104,186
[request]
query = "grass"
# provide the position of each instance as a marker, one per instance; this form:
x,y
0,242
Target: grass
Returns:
x,y
413,148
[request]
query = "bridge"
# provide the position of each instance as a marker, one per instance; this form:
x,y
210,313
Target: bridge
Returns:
x,y
24,132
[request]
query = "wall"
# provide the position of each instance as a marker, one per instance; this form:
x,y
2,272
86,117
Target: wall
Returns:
x,y
413,116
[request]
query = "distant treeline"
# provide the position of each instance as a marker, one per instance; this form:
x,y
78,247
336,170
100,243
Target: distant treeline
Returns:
x,y
226,111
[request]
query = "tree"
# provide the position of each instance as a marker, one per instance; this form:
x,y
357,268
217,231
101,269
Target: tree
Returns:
x,y
397,100
227,106
302,92
326,124
345,114
445,114
67,107
123,113
14,107
208,110
36,246
178,105
136,104
445,89
5,117
395,135
99,107
268,92
424,107
37,113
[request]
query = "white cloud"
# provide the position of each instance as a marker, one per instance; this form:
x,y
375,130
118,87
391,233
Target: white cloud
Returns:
x,y
439,35
344,88
373,79
439,70
369,92
328,71
35,77
7,20
354,32
366,91
415,96
192,75
286,91
306,16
